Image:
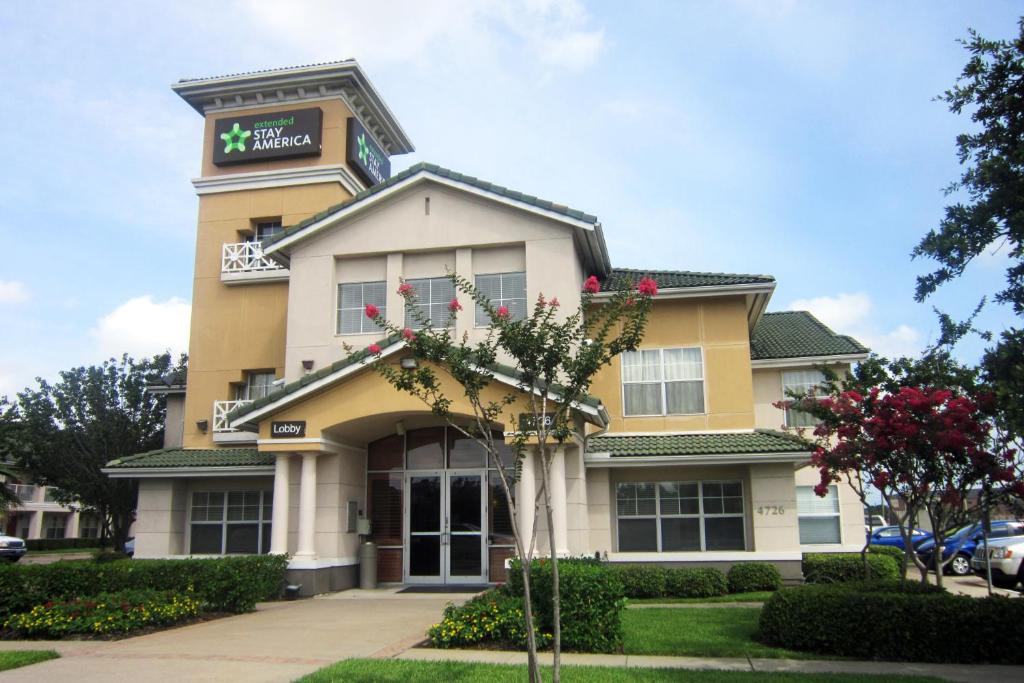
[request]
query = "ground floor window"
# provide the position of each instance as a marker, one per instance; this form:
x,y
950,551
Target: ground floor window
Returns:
x,y
88,525
230,522
680,516
819,517
54,526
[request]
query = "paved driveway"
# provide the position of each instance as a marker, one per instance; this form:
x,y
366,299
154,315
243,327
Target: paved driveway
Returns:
x,y
278,642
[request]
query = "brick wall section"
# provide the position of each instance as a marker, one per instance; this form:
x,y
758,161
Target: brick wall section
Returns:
x,y
389,565
497,557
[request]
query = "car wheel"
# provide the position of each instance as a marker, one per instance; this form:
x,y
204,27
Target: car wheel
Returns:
x,y
960,566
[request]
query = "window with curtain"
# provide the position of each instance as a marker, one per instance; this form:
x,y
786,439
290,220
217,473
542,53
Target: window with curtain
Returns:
x,y
230,522
433,295
663,382
801,382
818,517
267,229
352,300
502,289
257,385
680,516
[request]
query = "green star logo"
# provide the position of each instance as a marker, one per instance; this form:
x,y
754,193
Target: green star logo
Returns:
x,y
364,149
235,139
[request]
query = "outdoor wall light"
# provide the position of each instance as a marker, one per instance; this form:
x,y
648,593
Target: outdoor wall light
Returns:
x,y
202,425
400,428
307,365
409,363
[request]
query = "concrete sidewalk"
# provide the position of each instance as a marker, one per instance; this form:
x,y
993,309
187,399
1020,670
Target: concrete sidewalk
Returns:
x,y
280,641
967,673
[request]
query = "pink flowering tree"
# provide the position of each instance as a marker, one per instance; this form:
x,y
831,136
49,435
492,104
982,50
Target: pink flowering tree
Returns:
x,y
924,449
552,356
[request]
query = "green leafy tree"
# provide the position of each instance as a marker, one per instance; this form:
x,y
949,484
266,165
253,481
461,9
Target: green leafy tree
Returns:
x,y
67,432
9,428
552,357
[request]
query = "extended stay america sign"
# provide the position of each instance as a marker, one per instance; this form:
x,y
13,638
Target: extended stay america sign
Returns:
x,y
275,135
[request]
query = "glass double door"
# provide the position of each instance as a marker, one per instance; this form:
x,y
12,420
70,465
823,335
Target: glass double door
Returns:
x,y
446,513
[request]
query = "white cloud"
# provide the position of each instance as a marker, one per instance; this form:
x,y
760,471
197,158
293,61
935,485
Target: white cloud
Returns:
x,y
850,313
13,292
143,327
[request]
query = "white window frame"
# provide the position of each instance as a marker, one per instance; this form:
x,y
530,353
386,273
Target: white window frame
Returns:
x,y
500,301
275,225
366,325
47,527
224,522
701,515
664,391
245,392
785,396
837,515
411,322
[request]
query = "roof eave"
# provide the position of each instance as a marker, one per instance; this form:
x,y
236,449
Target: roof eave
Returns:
x,y
833,359
177,472
608,461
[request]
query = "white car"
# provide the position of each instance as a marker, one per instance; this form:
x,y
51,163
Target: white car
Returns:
x,y
11,548
1005,556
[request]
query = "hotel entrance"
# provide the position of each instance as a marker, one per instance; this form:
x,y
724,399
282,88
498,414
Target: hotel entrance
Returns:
x,y
437,510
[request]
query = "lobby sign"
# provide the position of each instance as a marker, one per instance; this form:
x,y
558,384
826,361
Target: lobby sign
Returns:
x,y
288,429
365,156
274,135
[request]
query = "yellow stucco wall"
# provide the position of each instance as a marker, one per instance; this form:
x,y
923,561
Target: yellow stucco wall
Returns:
x,y
719,327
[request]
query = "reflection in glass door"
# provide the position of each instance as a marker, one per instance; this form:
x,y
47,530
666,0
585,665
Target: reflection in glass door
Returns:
x,y
447,518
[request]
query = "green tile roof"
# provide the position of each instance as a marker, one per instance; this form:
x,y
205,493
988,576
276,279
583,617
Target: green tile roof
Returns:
x,y
681,279
793,334
195,457
439,171
758,441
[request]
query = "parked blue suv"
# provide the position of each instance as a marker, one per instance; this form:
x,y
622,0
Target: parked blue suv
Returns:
x,y
890,535
963,543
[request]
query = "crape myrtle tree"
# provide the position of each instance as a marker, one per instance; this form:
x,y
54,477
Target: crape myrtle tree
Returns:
x,y
921,433
67,431
552,357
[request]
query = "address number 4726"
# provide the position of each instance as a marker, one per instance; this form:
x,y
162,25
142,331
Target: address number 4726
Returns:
x,y
771,510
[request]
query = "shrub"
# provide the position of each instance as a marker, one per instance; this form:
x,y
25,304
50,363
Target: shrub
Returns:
x,y
592,602
747,577
105,613
888,550
494,617
641,580
61,543
696,582
109,556
894,620
228,584
844,567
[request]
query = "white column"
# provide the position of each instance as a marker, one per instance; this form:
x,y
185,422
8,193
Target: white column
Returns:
x,y
307,508
71,529
35,525
525,496
559,509
279,524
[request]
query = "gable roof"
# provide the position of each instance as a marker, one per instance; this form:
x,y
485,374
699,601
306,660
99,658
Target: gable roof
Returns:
x,y
797,334
726,443
682,279
592,236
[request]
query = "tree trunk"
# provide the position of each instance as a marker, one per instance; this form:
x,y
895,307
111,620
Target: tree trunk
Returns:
x,y
556,597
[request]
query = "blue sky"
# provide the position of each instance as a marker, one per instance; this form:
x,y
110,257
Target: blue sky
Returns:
x,y
790,138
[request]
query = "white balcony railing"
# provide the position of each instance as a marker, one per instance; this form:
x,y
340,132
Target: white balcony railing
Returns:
x,y
220,415
26,492
245,257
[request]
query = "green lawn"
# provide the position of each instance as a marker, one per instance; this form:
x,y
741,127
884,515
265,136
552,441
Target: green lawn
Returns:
x,y
12,659
698,632
398,671
761,596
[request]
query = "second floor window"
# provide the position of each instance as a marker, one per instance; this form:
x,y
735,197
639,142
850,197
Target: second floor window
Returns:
x,y
352,300
266,230
801,382
503,289
663,382
433,295
257,385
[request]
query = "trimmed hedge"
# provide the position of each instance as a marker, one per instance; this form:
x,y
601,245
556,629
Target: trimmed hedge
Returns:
x,y
889,550
846,567
228,584
104,614
895,621
749,577
61,543
641,580
592,602
695,582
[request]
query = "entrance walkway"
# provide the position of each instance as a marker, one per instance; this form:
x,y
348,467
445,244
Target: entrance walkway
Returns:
x,y
280,641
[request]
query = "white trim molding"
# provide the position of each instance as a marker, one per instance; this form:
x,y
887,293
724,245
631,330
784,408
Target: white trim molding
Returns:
x,y
176,472
258,180
804,361
607,460
321,562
